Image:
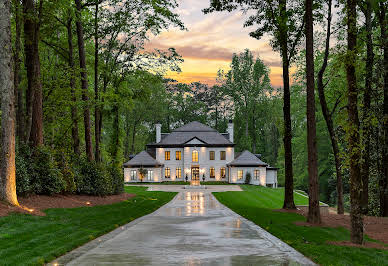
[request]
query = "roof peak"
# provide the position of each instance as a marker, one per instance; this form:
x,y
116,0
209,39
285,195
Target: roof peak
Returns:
x,y
194,126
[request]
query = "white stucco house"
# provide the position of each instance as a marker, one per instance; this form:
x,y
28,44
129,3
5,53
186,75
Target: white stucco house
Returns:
x,y
196,152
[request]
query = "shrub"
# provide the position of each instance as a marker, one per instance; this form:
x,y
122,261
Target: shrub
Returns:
x,y
46,178
66,167
23,177
248,178
117,177
93,179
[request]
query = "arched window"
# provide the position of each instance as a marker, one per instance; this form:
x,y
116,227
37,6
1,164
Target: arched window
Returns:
x,y
195,156
212,172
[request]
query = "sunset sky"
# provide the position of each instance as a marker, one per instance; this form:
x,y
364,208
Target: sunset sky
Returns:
x,y
210,42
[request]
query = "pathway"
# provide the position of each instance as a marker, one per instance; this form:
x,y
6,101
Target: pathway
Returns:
x,y
193,229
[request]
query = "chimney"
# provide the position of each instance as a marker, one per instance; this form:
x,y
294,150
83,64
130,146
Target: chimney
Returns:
x,y
158,128
230,130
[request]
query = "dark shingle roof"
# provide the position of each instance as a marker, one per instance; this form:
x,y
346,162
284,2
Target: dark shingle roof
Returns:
x,y
246,158
195,129
142,159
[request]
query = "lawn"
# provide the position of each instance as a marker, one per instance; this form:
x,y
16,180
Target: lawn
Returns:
x,y
34,240
257,204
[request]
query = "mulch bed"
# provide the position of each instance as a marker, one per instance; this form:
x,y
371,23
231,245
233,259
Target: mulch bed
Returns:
x,y
375,227
35,204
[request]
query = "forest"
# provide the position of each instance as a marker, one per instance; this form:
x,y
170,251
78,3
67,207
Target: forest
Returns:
x,y
80,94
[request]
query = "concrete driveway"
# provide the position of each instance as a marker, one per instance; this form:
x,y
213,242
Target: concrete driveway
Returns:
x,y
193,229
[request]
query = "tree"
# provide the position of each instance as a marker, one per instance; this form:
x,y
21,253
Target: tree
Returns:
x,y
328,115
353,135
32,18
383,21
314,213
7,154
84,81
283,21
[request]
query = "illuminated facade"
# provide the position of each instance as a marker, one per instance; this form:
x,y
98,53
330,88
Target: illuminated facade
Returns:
x,y
198,152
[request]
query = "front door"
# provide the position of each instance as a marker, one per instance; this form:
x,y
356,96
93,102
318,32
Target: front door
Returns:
x,y
195,175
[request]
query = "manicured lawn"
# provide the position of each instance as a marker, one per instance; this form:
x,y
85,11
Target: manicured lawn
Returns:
x,y
257,204
27,239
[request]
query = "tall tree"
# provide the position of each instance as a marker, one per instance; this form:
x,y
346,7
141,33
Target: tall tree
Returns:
x,y
353,135
97,129
74,111
17,77
283,21
328,115
84,81
383,21
314,213
34,97
7,153
366,109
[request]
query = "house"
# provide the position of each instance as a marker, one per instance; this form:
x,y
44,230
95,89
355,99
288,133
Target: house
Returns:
x,y
196,152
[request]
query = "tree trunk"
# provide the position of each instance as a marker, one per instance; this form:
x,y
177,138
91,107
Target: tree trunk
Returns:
x,y
314,215
127,135
384,181
328,116
18,91
353,137
287,139
97,131
74,111
133,137
366,108
32,62
84,82
7,152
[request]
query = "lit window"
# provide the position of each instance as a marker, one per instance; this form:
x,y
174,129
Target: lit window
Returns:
x,y
178,173
222,155
150,175
167,155
167,172
222,172
195,156
178,155
133,174
240,174
257,174
211,155
212,172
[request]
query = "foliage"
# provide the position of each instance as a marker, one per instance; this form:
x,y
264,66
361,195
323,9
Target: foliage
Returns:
x,y
29,239
142,174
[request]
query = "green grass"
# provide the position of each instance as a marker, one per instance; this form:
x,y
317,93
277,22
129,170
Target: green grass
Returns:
x,y
34,240
257,204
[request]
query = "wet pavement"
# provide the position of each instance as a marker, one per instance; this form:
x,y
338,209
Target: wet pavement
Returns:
x,y
193,229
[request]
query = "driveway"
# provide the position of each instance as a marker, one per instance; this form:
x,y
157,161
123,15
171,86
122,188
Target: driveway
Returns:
x,y
192,229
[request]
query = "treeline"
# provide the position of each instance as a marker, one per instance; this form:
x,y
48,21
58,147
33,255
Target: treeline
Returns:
x,y
73,70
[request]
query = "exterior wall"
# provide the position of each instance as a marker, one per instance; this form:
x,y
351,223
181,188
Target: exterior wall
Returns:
x,y
204,162
272,177
234,175
156,175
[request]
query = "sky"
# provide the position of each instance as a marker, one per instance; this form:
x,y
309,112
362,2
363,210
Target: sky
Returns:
x,y
210,41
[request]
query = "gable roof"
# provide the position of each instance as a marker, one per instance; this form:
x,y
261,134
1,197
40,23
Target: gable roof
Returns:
x,y
180,136
142,159
246,158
